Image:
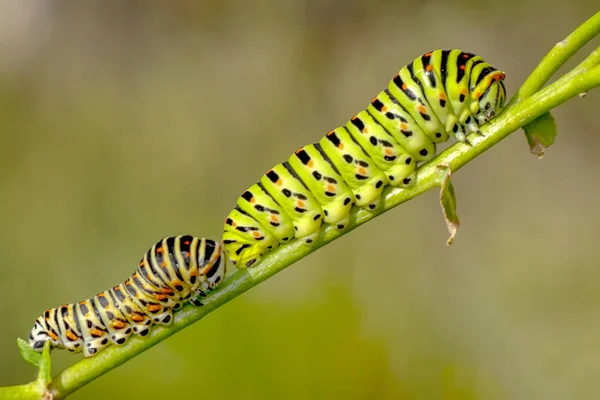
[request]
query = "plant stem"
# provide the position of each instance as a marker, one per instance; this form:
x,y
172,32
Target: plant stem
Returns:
x,y
427,178
556,58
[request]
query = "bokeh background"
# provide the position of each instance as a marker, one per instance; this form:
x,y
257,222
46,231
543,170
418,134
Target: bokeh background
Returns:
x,y
123,122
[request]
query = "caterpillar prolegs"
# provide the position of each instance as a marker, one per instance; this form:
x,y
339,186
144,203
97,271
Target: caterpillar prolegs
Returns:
x,y
442,94
175,270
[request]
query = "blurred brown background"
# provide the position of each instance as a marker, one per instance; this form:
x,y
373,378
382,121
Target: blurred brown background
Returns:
x,y
123,122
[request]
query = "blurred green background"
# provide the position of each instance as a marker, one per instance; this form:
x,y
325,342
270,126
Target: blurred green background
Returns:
x,y
123,122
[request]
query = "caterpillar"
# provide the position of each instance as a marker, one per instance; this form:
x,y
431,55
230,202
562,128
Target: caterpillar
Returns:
x,y
442,94
175,270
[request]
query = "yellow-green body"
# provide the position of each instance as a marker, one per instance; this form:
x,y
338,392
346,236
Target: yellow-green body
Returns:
x,y
441,94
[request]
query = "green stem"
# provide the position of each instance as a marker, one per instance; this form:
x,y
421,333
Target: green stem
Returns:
x,y
22,392
559,55
427,178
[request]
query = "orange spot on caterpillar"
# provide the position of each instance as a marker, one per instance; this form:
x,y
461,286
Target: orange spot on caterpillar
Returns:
x,y
300,203
403,126
477,95
341,146
428,67
153,307
96,332
388,152
422,109
278,183
362,171
465,56
274,218
428,54
404,86
499,77
53,335
330,133
159,250
163,264
462,67
331,188
137,318
252,200
119,324
71,336
384,109
311,163
256,234
442,96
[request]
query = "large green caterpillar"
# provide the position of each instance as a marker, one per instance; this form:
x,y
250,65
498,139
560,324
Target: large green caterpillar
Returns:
x,y
440,94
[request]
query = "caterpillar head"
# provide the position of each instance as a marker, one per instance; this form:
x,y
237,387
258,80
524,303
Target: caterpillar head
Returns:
x,y
492,98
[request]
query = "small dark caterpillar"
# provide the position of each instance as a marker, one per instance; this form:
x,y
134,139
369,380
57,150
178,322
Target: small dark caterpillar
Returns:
x,y
440,94
175,270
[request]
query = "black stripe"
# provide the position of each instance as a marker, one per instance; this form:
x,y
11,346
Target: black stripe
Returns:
x,y
381,126
333,138
76,319
303,156
272,175
377,104
484,72
444,67
293,173
98,316
102,300
326,157
209,249
58,327
247,195
214,268
358,123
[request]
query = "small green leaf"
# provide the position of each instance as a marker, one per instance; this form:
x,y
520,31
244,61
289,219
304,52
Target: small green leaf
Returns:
x,y
44,373
448,201
28,353
540,134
